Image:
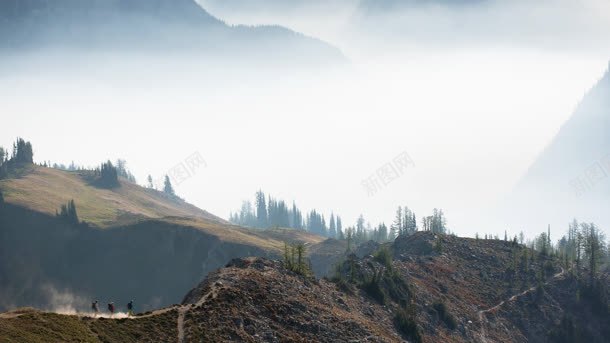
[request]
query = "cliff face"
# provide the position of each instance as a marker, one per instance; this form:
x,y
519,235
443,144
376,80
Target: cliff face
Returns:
x,y
153,261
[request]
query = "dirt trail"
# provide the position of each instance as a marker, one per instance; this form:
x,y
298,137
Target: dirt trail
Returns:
x,y
180,323
481,314
183,309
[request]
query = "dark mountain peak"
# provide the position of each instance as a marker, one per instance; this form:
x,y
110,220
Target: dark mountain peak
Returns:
x,y
15,8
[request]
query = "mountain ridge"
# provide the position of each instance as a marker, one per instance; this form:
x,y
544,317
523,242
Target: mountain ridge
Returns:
x,y
179,26
427,293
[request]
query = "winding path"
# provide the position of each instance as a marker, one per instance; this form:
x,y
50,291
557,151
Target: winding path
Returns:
x,y
481,314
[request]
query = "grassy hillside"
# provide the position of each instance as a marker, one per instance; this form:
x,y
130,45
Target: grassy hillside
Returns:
x,y
160,245
33,326
45,190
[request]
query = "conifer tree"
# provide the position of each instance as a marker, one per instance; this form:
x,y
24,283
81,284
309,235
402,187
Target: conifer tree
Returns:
x,y
68,212
594,246
339,227
332,228
397,224
149,179
167,187
261,210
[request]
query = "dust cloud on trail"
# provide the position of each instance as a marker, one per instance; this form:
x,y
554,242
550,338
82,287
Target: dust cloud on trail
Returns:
x,y
118,315
67,303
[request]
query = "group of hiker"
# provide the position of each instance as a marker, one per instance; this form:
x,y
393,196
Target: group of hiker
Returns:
x,y
96,308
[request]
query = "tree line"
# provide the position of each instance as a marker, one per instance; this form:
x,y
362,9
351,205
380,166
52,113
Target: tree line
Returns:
x,y
269,212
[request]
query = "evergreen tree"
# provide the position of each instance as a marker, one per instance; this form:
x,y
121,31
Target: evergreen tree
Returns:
x,y
349,236
397,224
149,179
393,233
594,247
2,155
297,217
339,228
521,237
261,210
360,234
332,229
167,187
541,244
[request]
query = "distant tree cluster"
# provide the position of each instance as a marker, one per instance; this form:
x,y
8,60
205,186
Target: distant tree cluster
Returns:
x,y
584,245
294,258
71,167
120,166
68,213
107,175
269,212
122,171
436,223
405,223
582,249
22,153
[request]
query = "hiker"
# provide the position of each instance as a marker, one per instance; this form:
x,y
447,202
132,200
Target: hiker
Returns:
x,y
130,308
95,307
111,308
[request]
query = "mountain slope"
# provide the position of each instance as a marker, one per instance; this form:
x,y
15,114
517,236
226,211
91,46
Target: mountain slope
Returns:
x,y
436,289
135,242
45,190
580,142
570,176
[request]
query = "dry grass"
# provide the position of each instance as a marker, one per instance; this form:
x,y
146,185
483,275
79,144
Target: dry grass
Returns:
x,y
45,190
39,327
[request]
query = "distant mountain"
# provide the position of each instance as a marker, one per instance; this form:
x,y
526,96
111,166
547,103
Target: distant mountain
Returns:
x,y
168,26
375,5
582,142
571,176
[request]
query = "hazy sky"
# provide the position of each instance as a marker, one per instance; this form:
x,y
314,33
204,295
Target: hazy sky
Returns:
x,y
471,114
